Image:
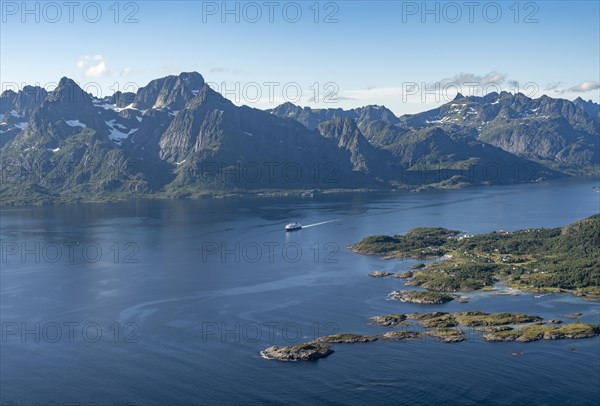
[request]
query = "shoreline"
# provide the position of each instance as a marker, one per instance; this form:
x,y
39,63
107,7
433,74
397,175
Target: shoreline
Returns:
x,y
476,263
89,198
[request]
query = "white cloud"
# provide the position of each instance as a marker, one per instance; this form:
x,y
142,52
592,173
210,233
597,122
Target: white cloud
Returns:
x,y
585,87
331,97
553,86
371,92
125,71
474,80
442,91
222,69
95,65
97,70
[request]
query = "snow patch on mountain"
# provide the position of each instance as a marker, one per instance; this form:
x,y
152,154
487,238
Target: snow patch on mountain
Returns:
x,y
114,107
116,134
75,123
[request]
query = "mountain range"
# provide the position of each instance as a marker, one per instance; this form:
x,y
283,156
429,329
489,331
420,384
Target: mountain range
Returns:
x,y
177,137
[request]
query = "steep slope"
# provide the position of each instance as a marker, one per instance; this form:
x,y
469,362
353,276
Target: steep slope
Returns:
x,y
377,123
216,144
16,109
433,155
171,92
178,137
364,156
560,134
589,107
65,148
555,132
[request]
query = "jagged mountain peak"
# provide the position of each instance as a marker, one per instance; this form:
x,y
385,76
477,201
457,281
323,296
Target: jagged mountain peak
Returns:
x,y
8,93
69,91
174,125
337,127
170,91
580,99
458,96
66,81
288,105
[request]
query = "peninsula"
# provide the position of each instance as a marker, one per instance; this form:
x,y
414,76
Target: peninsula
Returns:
x,y
547,260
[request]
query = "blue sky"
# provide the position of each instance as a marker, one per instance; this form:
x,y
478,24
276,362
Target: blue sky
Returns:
x,y
364,52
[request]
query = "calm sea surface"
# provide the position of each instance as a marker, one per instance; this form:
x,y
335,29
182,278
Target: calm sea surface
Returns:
x,y
170,302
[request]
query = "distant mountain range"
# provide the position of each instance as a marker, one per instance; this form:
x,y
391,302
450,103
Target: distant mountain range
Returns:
x,y
177,137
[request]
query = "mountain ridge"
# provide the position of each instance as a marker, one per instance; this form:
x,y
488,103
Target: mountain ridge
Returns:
x,y
177,137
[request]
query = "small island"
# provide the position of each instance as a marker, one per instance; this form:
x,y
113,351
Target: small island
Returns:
x,y
443,321
302,352
346,338
553,260
477,319
471,318
534,333
445,327
447,335
389,320
400,335
422,296
380,274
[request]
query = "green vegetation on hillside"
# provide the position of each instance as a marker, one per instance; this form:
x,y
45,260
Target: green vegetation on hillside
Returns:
x,y
541,260
476,318
422,296
417,243
534,333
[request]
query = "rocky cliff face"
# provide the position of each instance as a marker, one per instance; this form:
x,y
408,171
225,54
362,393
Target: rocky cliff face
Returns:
x,y
364,157
16,108
561,134
589,107
171,92
178,137
211,134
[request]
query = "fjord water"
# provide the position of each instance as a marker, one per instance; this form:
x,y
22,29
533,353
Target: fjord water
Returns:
x,y
185,294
